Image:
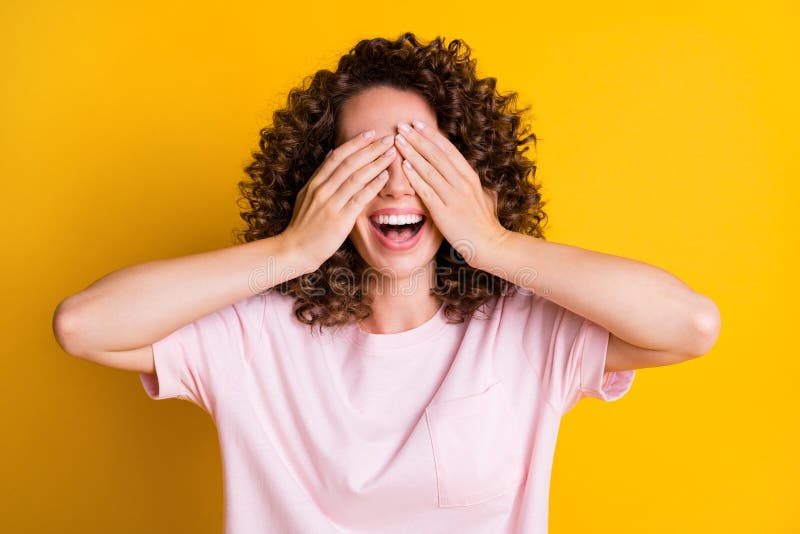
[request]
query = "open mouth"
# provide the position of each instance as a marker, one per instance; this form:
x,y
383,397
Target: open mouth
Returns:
x,y
398,228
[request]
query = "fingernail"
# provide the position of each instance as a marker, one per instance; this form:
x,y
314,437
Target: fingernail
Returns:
x,y
384,174
387,140
401,140
419,125
368,134
403,127
389,153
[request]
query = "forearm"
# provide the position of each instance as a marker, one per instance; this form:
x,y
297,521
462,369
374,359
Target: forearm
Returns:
x,y
140,304
640,303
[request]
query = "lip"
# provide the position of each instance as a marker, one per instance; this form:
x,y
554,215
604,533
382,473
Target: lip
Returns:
x,y
394,245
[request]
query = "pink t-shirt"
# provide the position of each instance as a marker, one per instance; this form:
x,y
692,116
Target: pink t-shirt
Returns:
x,y
439,429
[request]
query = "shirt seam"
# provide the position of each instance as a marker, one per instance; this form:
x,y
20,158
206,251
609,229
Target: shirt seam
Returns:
x,y
248,357
539,378
350,335
236,381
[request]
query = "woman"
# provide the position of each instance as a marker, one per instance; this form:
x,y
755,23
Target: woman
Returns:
x,y
390,207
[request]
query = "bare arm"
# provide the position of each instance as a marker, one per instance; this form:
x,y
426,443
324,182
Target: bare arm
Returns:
x,y
653,317
115,320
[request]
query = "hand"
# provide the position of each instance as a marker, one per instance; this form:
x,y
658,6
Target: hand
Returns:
x,y
463,211
326,208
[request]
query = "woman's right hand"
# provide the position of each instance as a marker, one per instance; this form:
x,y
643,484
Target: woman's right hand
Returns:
x,y
328,205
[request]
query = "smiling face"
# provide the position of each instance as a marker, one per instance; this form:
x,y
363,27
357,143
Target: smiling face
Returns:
x,y
389,234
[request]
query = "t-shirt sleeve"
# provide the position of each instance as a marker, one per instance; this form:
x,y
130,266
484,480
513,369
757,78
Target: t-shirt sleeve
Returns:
x,y
203,359
569,352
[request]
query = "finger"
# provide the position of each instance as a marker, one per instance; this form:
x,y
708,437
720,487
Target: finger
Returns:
x,y
423,189
445,145
358,202
424,169
352,163
356,181
337,155
435,156
350,146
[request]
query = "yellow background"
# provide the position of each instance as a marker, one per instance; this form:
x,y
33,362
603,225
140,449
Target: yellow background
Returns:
x,y
667,135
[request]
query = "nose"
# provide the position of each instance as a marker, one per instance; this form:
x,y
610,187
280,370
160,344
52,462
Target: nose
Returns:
x,y
397,185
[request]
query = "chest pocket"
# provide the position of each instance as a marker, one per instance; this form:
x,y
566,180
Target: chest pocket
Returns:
x,y
477,448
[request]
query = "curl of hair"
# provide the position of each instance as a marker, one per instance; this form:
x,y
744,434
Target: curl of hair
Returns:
x,y
483,124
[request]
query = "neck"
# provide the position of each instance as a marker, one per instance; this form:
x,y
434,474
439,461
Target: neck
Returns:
x,y
401,303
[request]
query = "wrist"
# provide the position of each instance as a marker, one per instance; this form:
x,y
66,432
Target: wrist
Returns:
x,y
297,257
488,253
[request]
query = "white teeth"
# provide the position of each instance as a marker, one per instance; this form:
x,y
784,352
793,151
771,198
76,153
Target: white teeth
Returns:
x,y
409,218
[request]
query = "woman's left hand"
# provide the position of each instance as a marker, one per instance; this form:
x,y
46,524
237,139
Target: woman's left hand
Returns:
x,y
463,211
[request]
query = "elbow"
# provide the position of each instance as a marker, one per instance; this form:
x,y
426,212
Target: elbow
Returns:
x,y
66,329
707,324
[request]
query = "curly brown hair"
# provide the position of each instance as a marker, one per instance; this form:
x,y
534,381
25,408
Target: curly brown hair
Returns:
x,y
482,124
